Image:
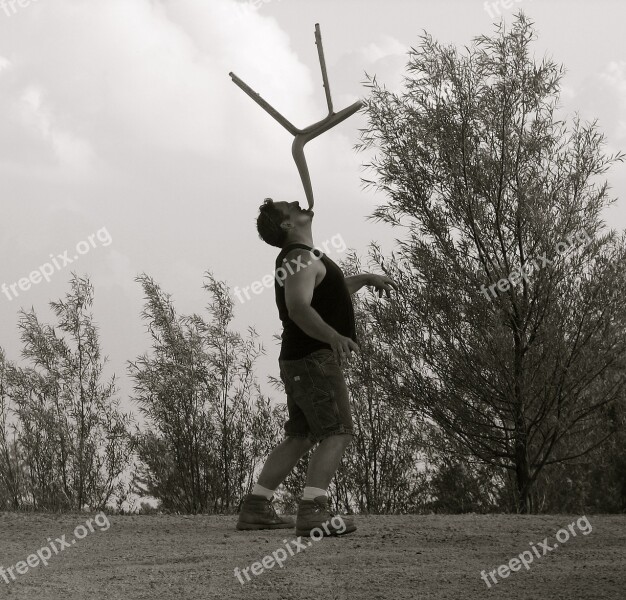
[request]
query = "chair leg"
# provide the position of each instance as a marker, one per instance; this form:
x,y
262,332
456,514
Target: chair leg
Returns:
x,y
264,104
297,151
311,132
320,52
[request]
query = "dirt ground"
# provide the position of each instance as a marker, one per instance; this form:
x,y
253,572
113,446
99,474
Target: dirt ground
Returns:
x,y
156,557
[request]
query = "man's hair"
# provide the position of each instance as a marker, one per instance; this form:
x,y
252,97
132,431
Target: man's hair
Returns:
x,y
268,224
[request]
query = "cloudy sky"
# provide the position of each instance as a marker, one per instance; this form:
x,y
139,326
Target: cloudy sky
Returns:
x,y
118,122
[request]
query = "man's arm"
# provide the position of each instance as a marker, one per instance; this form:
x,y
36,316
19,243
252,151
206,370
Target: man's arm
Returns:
x,y
381,283
299,287
356,282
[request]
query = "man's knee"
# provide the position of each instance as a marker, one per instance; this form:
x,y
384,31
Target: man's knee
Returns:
x,y
303,443
347,438
339,439
308,443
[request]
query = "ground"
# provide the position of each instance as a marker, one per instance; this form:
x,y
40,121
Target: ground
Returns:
x,y
156,557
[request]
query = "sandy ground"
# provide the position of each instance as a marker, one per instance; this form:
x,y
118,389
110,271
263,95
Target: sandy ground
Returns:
x,y
389,557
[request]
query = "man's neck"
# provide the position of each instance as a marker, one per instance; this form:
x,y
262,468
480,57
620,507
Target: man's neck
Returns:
x,y
300,239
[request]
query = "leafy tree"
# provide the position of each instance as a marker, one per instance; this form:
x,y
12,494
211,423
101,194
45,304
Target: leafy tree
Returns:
x,y
70,447
383,470
208,425
595,482
11,490
505,332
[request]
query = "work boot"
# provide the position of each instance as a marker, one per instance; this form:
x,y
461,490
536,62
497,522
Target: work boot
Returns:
x,y
314,514
257,512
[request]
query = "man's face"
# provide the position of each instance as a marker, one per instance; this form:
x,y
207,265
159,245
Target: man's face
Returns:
x,y
297,216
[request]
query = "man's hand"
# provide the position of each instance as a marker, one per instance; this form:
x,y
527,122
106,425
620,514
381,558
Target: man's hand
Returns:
x,y
382,283
342,347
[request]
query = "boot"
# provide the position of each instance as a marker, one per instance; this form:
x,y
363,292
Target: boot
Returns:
x,y
257,512
314,514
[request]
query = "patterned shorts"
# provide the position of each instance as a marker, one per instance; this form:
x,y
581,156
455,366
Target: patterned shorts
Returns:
x,y
318,403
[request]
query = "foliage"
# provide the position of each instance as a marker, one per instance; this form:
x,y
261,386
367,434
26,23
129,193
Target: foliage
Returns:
x,y
208,425
64,441
488,183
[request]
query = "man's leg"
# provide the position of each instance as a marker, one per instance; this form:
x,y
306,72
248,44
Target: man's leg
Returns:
x,y
321,393
313,511
257,511
324,463
282,460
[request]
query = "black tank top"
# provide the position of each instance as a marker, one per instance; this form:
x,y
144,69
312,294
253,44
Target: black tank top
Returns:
x,y
331,299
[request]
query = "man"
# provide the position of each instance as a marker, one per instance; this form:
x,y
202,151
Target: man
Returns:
x,y
315,307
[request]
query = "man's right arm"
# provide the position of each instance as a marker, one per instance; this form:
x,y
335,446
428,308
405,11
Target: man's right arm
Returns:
x,y
299,288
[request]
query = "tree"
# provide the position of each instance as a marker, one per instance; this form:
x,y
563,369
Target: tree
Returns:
x,y
11,490
505,332
383,470
70,447
208,425
595,482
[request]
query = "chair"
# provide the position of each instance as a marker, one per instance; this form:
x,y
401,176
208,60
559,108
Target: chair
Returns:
x,y
302,136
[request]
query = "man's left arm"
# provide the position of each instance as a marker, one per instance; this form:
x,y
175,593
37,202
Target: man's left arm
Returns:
x,y
381,283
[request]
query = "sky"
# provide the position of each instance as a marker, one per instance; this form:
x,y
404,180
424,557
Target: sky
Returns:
x,y
125,147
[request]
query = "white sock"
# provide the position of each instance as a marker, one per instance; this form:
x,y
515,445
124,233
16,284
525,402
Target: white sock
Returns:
x,y
310,493
259,490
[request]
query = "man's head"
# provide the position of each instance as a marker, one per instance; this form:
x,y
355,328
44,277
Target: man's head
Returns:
x,y
280,222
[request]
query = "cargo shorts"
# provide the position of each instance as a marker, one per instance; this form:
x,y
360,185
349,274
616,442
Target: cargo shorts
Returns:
x,y
318,404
